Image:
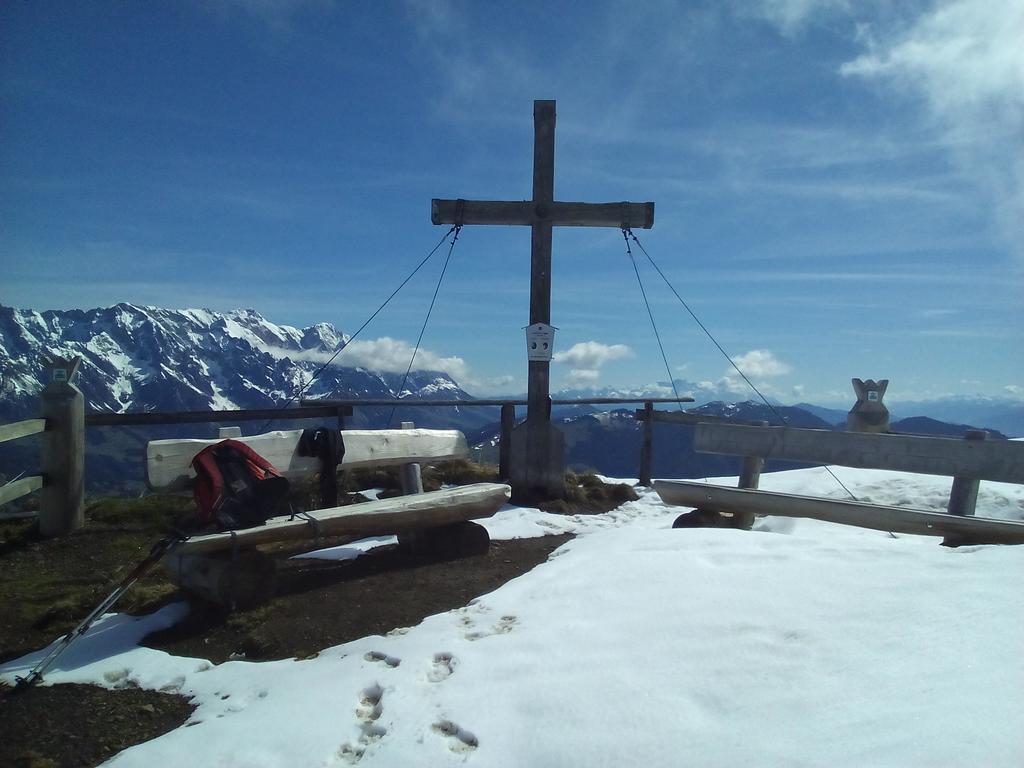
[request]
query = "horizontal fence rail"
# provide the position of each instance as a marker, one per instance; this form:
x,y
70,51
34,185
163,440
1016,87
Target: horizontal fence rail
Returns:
x,y
312,403
18,488
22,486
685,418
204,417
1001,461
21,429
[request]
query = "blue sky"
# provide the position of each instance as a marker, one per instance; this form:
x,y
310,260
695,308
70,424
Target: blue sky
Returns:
x,y
839,185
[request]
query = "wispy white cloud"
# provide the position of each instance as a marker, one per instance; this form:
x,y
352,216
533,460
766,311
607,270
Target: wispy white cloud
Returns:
x,y
586,359
583,377
387,355
964,62
761,363
758,365
592,354
790,16
491,385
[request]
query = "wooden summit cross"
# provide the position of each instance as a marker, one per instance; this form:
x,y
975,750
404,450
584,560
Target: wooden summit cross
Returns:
x,y
542,474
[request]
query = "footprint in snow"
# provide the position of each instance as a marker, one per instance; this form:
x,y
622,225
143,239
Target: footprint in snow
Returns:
x,y
459,739
441,668
391,661
368,712
501,627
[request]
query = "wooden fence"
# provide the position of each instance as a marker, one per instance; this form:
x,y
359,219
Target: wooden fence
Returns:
x,y
64,422
22,486
63,449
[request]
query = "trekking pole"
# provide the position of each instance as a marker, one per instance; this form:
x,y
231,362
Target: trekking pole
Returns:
x,y
156,554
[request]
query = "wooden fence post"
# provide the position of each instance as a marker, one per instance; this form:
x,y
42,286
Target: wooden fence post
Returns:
x,y
647,444
409,474
963,496
62,506
508,422
750,476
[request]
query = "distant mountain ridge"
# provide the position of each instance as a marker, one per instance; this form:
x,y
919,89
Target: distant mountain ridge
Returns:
x,y
149,359
1004,414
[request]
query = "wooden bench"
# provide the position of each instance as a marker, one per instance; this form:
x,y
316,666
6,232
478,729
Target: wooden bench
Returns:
x,y
967,461
227,569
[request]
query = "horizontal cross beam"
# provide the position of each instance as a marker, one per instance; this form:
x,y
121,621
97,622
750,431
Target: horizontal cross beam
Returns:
x,y
526,212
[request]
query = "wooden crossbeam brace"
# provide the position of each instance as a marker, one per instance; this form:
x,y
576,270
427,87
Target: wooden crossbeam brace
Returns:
x,y
526,212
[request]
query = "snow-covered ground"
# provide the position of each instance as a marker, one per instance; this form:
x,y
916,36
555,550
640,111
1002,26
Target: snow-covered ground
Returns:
x,y
798,644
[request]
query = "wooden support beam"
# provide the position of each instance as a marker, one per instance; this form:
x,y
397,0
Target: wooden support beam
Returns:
x,y
878,517
62,504
431,403
508,423
963,496
750,476
20,487
687,419
243,580
21,429
409,475
206,417
1001,461
647,444
373,518
528,213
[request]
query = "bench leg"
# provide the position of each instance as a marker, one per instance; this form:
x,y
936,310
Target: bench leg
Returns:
x,y
703,517
448,542
243,580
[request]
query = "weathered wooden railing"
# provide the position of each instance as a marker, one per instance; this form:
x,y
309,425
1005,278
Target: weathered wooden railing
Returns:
x,y
967,461
21,486
62,457
508,419
752,465
65,420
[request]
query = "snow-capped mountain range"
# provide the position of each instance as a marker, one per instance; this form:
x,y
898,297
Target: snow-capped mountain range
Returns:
x,y
149,359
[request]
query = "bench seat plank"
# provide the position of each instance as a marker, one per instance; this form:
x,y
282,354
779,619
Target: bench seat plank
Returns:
x,y
372,518
879,517
168,462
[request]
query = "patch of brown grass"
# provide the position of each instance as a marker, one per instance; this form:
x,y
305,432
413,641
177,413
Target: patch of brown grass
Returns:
x,y
588,494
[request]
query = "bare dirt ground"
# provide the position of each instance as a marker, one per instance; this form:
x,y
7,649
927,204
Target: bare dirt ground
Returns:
x,y
46,587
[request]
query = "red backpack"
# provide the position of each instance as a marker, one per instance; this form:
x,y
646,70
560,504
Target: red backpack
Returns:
x,y
235,487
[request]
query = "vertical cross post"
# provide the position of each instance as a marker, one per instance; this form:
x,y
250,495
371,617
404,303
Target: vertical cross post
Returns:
x,y
544,467
537,448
